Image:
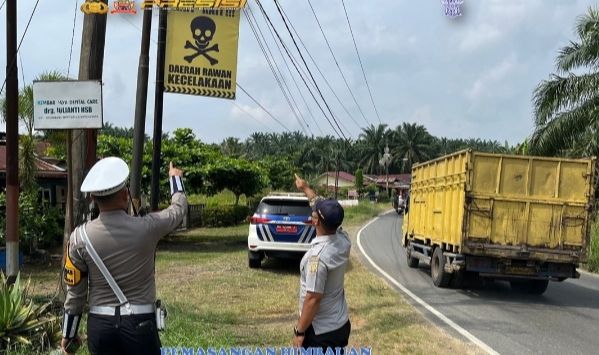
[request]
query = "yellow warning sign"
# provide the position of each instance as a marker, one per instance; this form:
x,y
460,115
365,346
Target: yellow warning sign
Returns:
x,y
201,52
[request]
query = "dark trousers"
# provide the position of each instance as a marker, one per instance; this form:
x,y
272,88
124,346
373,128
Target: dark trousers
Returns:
x,y
335,339
134,334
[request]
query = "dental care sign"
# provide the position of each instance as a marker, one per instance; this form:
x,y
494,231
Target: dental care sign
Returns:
x,y
201,52
69,104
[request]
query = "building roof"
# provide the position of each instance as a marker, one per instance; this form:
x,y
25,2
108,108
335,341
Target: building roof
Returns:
x,y
395,180
342,175
44,169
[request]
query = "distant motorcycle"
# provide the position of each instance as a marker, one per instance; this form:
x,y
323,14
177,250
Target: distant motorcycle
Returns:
x,y
399,205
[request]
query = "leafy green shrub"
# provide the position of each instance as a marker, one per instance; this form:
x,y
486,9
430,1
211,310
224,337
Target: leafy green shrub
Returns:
x,y
224,216
25,325
593,262
40,226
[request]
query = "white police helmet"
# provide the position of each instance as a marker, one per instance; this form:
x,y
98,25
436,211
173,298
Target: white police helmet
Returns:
x,y
106,177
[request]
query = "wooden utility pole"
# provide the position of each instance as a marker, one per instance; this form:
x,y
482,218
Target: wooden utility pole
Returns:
x,y
12,144
81,144
139,128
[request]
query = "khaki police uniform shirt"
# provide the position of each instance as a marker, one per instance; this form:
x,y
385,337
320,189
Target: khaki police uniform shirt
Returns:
x,y
322,271
126,244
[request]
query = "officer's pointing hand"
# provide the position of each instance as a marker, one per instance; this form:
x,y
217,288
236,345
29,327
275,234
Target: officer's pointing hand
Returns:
x,y
172,171
300,183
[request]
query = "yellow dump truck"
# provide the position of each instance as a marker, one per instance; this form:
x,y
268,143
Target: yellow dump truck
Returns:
x,y
517,218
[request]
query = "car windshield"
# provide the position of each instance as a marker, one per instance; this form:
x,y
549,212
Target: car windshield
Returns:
x,y
284,207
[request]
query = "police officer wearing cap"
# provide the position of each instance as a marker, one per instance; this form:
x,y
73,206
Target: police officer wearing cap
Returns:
x,y
324,320
126,246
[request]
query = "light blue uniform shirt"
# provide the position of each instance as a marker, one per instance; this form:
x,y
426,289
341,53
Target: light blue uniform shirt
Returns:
x,y
322,271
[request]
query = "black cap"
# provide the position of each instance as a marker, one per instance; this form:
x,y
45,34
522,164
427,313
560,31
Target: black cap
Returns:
x,y
330,212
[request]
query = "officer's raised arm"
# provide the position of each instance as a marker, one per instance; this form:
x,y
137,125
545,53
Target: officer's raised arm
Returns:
x,y
167,220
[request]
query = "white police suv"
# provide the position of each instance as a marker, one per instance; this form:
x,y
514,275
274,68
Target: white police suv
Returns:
x,y
281,227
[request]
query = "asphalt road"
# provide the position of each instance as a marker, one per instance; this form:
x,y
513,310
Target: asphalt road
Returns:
x,y
564,320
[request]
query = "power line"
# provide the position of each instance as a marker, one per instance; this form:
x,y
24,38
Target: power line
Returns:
x,y
273,70
337,64
20,42
306,65
250,114
291,73
319,70
340,133
262,107
277,67
1,6
295,65
360,59
72,37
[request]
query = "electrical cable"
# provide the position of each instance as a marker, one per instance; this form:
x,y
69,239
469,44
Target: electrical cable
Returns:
x,y
337,63
284,82
274,71
360,60
20,42
340,133
72,37
306,65
262,107
249,8
249,114
319,70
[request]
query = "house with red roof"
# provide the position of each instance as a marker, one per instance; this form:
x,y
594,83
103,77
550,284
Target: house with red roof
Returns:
x,y
52,179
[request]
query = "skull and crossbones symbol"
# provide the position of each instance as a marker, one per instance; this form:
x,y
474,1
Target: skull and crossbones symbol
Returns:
x,y
202,29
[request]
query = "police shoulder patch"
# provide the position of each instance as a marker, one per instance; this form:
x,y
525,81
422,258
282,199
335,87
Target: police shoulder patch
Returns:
x,y
72,275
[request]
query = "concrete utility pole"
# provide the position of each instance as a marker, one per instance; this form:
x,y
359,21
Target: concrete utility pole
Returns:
x,y
140,109
81,147
12,144
158,105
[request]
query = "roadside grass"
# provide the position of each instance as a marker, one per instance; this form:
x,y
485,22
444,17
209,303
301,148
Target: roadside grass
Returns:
x,y
215,300
593,261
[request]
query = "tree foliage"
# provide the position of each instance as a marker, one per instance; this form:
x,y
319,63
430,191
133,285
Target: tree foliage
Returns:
x,y
567,104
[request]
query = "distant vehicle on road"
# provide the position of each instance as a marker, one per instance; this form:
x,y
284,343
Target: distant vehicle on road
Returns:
x,y
517,218
281,227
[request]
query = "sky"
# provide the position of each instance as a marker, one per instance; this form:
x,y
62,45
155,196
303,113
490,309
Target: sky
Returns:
x,y
469,77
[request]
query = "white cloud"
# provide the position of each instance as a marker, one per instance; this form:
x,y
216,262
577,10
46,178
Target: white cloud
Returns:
x,y
495,75
479,36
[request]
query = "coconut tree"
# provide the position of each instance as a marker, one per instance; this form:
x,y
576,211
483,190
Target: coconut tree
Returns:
x,y
567,105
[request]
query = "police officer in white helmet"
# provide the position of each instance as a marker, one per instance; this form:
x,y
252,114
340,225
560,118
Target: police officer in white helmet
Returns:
x,y
112,259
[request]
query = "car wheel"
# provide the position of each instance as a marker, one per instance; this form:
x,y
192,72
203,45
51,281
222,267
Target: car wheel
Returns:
x,y
254,259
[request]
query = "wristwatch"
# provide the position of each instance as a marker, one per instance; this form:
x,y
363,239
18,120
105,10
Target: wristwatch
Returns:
x,y
297,333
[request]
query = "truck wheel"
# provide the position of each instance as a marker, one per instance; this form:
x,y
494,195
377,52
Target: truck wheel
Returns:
x,y
538,287
254,260
412,261
440,277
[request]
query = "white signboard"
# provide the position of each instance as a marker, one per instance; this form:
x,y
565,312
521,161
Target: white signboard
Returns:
x,y
67,104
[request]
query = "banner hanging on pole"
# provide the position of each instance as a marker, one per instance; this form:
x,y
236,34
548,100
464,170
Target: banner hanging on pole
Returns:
x,y
201,52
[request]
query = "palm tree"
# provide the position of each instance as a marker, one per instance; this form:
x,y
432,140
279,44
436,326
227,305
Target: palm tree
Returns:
x,y
232,147
411,144
567,105
371,143
27,169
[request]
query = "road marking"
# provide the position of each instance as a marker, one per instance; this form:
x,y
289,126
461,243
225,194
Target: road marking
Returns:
x,y
420,301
